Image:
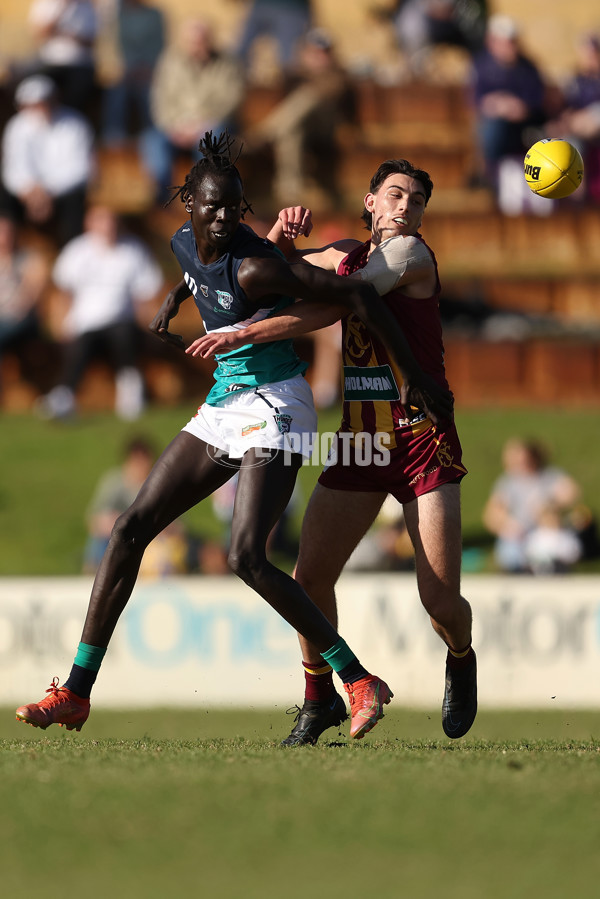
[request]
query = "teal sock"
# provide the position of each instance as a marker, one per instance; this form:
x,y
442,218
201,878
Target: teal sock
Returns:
x,y
89,656
344,662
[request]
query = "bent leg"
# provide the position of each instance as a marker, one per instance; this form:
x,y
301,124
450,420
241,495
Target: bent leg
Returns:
x,y
334,524
262,494
434,525
184,475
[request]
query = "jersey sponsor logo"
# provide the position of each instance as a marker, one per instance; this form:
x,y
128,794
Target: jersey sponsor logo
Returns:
x,y
283,422
250,429
373,383
204,289
231,387
224,299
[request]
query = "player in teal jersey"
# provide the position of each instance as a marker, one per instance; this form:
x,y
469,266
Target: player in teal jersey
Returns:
x,y
235,278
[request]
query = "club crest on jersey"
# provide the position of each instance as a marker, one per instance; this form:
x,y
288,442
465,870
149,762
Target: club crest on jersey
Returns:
x,y
283,422
250,429
204,289
224,299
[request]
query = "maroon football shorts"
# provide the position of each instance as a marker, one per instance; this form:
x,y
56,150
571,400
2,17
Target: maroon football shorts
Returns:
x,y
418,464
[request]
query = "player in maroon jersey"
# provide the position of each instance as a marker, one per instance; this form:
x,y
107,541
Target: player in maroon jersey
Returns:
x,y
424,467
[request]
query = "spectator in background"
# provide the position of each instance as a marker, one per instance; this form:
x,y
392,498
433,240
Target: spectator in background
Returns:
x,y
579,120
106,276
196,88
140,37
23,276
525,497
303,128
509,97
65,32
286,21
47,161
423,24
115,492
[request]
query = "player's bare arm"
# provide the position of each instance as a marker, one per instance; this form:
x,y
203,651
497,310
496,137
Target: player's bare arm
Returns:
x,y
169,309
300,318
310,282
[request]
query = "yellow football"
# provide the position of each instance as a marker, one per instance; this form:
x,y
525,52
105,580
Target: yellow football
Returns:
x,y
553,168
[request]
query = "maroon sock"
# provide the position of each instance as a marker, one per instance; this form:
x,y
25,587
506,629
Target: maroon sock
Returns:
x,y
318,682
459,660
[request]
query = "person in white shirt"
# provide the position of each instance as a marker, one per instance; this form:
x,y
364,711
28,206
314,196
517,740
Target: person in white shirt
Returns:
x,y
106,276
47,161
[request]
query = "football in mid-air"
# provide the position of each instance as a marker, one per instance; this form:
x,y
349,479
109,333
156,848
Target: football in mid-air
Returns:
x,y
553,168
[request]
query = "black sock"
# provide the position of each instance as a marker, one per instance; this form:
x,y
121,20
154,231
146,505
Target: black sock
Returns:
x,y
80,681
352,672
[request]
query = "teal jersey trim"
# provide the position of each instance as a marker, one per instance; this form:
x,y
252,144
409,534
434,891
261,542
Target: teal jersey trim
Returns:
x,y
254,365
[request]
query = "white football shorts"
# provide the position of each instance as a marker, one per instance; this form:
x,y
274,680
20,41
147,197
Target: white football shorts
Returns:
x,y
278,416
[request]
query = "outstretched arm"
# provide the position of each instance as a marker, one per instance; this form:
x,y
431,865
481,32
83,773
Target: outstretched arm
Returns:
x,y
297,319
169,309
309,282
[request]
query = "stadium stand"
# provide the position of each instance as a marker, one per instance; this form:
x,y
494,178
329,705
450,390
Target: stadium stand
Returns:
x,y
531,281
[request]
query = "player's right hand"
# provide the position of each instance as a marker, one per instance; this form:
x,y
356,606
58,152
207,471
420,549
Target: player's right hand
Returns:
x,y
295,220
430,397
220,342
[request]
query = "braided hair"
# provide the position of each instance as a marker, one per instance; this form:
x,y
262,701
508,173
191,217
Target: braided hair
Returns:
x,y
217,159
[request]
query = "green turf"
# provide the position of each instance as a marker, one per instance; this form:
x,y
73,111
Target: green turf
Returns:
x,y
155,804
50,470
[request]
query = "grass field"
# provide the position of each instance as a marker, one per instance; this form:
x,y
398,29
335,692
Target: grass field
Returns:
x,y
50,471
156,804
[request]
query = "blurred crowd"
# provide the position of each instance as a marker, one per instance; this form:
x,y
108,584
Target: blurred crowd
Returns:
x,y
84,284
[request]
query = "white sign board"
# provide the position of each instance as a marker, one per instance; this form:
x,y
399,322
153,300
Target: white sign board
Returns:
x,y
201,641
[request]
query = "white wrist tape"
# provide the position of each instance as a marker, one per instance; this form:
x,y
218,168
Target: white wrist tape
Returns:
x,y
392,259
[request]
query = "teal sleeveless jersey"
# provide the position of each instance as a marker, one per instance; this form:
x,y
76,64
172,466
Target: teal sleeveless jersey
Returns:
x,y
224,306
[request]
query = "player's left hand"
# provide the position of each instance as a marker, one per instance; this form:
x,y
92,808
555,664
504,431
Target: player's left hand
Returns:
x,y
295,220
167,336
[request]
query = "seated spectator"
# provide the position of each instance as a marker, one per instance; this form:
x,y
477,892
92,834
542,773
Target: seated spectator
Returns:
x,y
303,128
579,120
424,24
23,276
509,94
106,276
140,35
65,32
196,88
47,161
116,490
520,499
286,21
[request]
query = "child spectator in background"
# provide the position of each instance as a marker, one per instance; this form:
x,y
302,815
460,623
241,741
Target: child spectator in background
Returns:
x,y
520,500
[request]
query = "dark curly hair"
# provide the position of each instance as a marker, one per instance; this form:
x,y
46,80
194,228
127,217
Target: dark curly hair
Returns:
x,y
396,167
217,159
